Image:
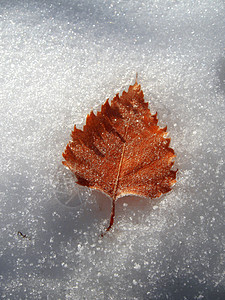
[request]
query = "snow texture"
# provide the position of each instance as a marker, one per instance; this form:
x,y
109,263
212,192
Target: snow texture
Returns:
x,y
58,61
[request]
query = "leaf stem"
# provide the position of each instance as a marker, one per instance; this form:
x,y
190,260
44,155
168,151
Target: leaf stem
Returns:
x,y
112,215
117,182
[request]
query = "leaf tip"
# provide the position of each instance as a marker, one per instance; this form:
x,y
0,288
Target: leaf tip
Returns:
x,y
136,79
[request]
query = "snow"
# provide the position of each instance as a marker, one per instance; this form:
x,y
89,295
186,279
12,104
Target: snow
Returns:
x,y
61,59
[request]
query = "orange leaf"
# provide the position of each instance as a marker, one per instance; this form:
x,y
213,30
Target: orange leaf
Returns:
x,y
122,151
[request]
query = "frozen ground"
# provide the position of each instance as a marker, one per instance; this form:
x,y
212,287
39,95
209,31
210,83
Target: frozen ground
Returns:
x,y
59,60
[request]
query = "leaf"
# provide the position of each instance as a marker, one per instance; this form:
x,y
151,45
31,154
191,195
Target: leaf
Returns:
x,y
122,151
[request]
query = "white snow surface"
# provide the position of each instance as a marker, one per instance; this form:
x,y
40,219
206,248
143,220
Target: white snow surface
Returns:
x,y
58,61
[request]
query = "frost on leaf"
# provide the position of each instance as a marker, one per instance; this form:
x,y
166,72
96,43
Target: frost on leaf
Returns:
x,y
122,151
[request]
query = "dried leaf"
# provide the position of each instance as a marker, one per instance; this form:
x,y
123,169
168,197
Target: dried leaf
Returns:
x,y
122,151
